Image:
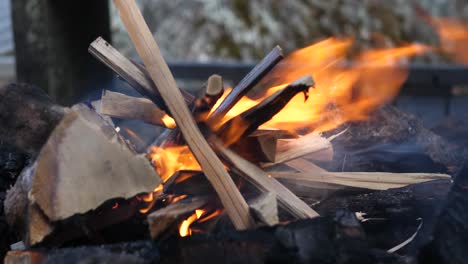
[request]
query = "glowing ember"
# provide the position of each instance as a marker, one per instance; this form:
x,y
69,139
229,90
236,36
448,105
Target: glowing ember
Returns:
x,y
169,122
184,229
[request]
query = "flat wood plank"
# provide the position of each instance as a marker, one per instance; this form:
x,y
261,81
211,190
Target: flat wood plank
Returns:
x,y
135,108
366,180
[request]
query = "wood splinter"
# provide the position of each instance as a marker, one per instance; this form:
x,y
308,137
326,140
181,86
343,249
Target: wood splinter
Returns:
x,y
146,46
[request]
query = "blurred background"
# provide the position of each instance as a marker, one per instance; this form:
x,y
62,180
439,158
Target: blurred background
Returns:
x,y
45,42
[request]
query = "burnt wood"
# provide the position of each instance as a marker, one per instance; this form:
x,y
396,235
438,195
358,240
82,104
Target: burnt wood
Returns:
x,y
392,214
248,121
451,231
28,116
247,83
393,141
338,239
164,81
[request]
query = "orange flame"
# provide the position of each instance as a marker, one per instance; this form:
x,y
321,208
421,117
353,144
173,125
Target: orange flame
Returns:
x,y
184,229
211,216
169,160
150,199
453,37
342,93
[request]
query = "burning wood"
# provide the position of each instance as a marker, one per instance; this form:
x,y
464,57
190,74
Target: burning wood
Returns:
x,y
246,84
85,165
234,203
250,120
163,219
127,107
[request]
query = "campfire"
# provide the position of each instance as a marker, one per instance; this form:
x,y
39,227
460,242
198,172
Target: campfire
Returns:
x,y
237,169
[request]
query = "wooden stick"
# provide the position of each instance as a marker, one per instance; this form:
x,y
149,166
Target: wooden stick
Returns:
x,y
213,91
251,119
264,182
134,75
246,84
128,107
366,180
148,49
311,145
303,165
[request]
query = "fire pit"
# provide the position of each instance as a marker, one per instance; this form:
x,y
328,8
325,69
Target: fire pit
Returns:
x,y
314,166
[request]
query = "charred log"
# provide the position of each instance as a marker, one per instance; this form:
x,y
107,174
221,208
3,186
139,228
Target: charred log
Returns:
x,y
392,215
28,117
394,141
319,240
451,232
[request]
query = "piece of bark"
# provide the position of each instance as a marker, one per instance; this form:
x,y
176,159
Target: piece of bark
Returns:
x,y
392,140
265,183
264,208
247,83
128,107
135,76
235,205
170,216
28,117
364,180
24,257
248,121
213,91
312,145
